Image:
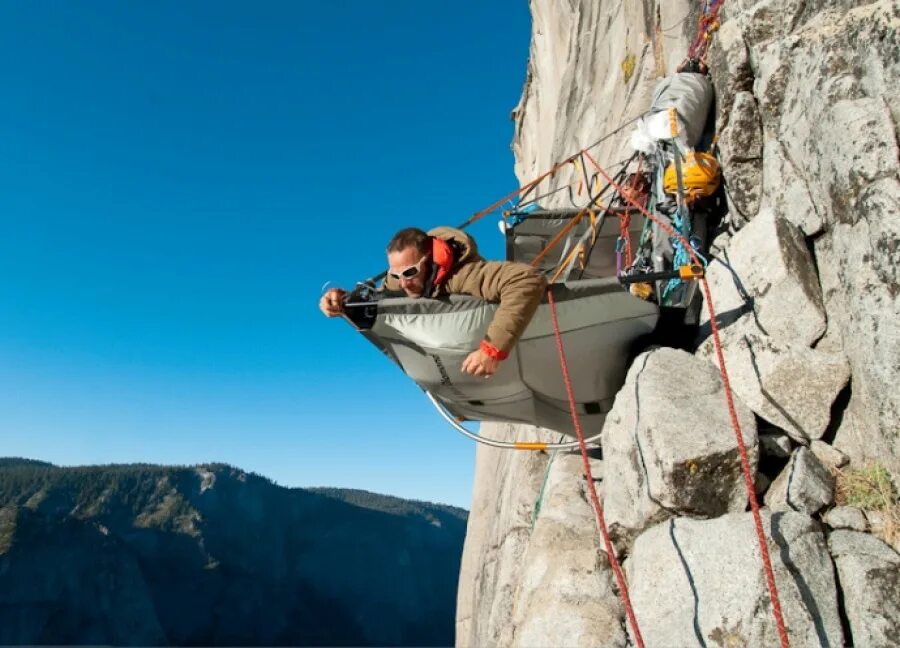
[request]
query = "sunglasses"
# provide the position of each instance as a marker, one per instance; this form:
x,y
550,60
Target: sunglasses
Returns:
x,y
410,272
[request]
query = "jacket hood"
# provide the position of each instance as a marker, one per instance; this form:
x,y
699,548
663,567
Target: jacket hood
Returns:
x,y
467,245
466,242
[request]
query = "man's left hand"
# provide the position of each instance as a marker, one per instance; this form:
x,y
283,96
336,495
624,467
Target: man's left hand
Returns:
x,y
478,363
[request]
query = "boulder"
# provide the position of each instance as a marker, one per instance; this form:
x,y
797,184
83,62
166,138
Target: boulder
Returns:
x,y
741,144
828,454
792,387
883,525
786,192
701,582
805,485
846,517
767,263
869,574
776,445
743,180
729,66
669,447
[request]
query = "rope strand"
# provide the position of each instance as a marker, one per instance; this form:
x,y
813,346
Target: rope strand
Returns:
x,y
729,399
589,477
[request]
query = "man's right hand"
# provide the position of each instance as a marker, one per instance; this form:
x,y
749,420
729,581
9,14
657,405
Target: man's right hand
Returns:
x,y
332,302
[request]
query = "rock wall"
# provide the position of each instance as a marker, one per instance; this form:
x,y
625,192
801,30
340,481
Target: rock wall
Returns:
x,y
804,280
814,86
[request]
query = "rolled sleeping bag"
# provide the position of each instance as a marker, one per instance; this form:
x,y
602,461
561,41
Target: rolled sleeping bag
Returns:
x,y
691,95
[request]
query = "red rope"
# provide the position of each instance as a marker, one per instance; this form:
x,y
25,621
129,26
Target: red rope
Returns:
x,y
748,479
625,235
598,509
707,24
625,219
729,398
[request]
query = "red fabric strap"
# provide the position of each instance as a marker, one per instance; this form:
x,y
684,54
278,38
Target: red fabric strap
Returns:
x,y
442,257
493,352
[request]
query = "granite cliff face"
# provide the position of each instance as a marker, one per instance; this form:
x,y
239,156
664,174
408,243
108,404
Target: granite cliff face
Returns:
x,y
805,284
210,555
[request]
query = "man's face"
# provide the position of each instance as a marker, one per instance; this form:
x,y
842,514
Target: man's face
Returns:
x,y
405,259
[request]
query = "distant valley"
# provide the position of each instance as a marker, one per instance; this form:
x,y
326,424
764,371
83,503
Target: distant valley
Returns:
x,y
213,555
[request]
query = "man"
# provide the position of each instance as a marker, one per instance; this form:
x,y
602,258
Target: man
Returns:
x,y
446,261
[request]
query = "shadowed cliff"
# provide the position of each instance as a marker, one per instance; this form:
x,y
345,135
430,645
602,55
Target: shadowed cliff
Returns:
x,y
205,555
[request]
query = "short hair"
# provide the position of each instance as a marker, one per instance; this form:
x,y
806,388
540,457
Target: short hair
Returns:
x,y
410,237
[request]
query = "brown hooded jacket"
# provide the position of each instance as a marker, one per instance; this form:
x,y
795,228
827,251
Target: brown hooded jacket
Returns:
x,y
516,287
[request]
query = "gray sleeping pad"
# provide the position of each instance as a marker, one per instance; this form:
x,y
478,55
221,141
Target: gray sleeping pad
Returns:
x,y
429,339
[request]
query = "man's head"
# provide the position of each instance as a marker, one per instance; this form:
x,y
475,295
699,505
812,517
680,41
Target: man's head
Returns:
x,y
409,255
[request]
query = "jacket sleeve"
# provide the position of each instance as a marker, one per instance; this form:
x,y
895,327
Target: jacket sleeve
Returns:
x,y
517,287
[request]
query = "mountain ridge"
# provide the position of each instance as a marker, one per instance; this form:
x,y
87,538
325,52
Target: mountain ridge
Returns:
x,y
211,554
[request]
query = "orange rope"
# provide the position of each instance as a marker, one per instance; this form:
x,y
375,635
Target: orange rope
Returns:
x,y
556,167
625,234
729,398
562,264
512,194
560,236
595,501
577,250
533,200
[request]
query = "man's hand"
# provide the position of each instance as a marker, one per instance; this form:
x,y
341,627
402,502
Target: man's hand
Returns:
x,y
478,363
332,302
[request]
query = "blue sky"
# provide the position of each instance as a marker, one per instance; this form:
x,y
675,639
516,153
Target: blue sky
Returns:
x,y
178,181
